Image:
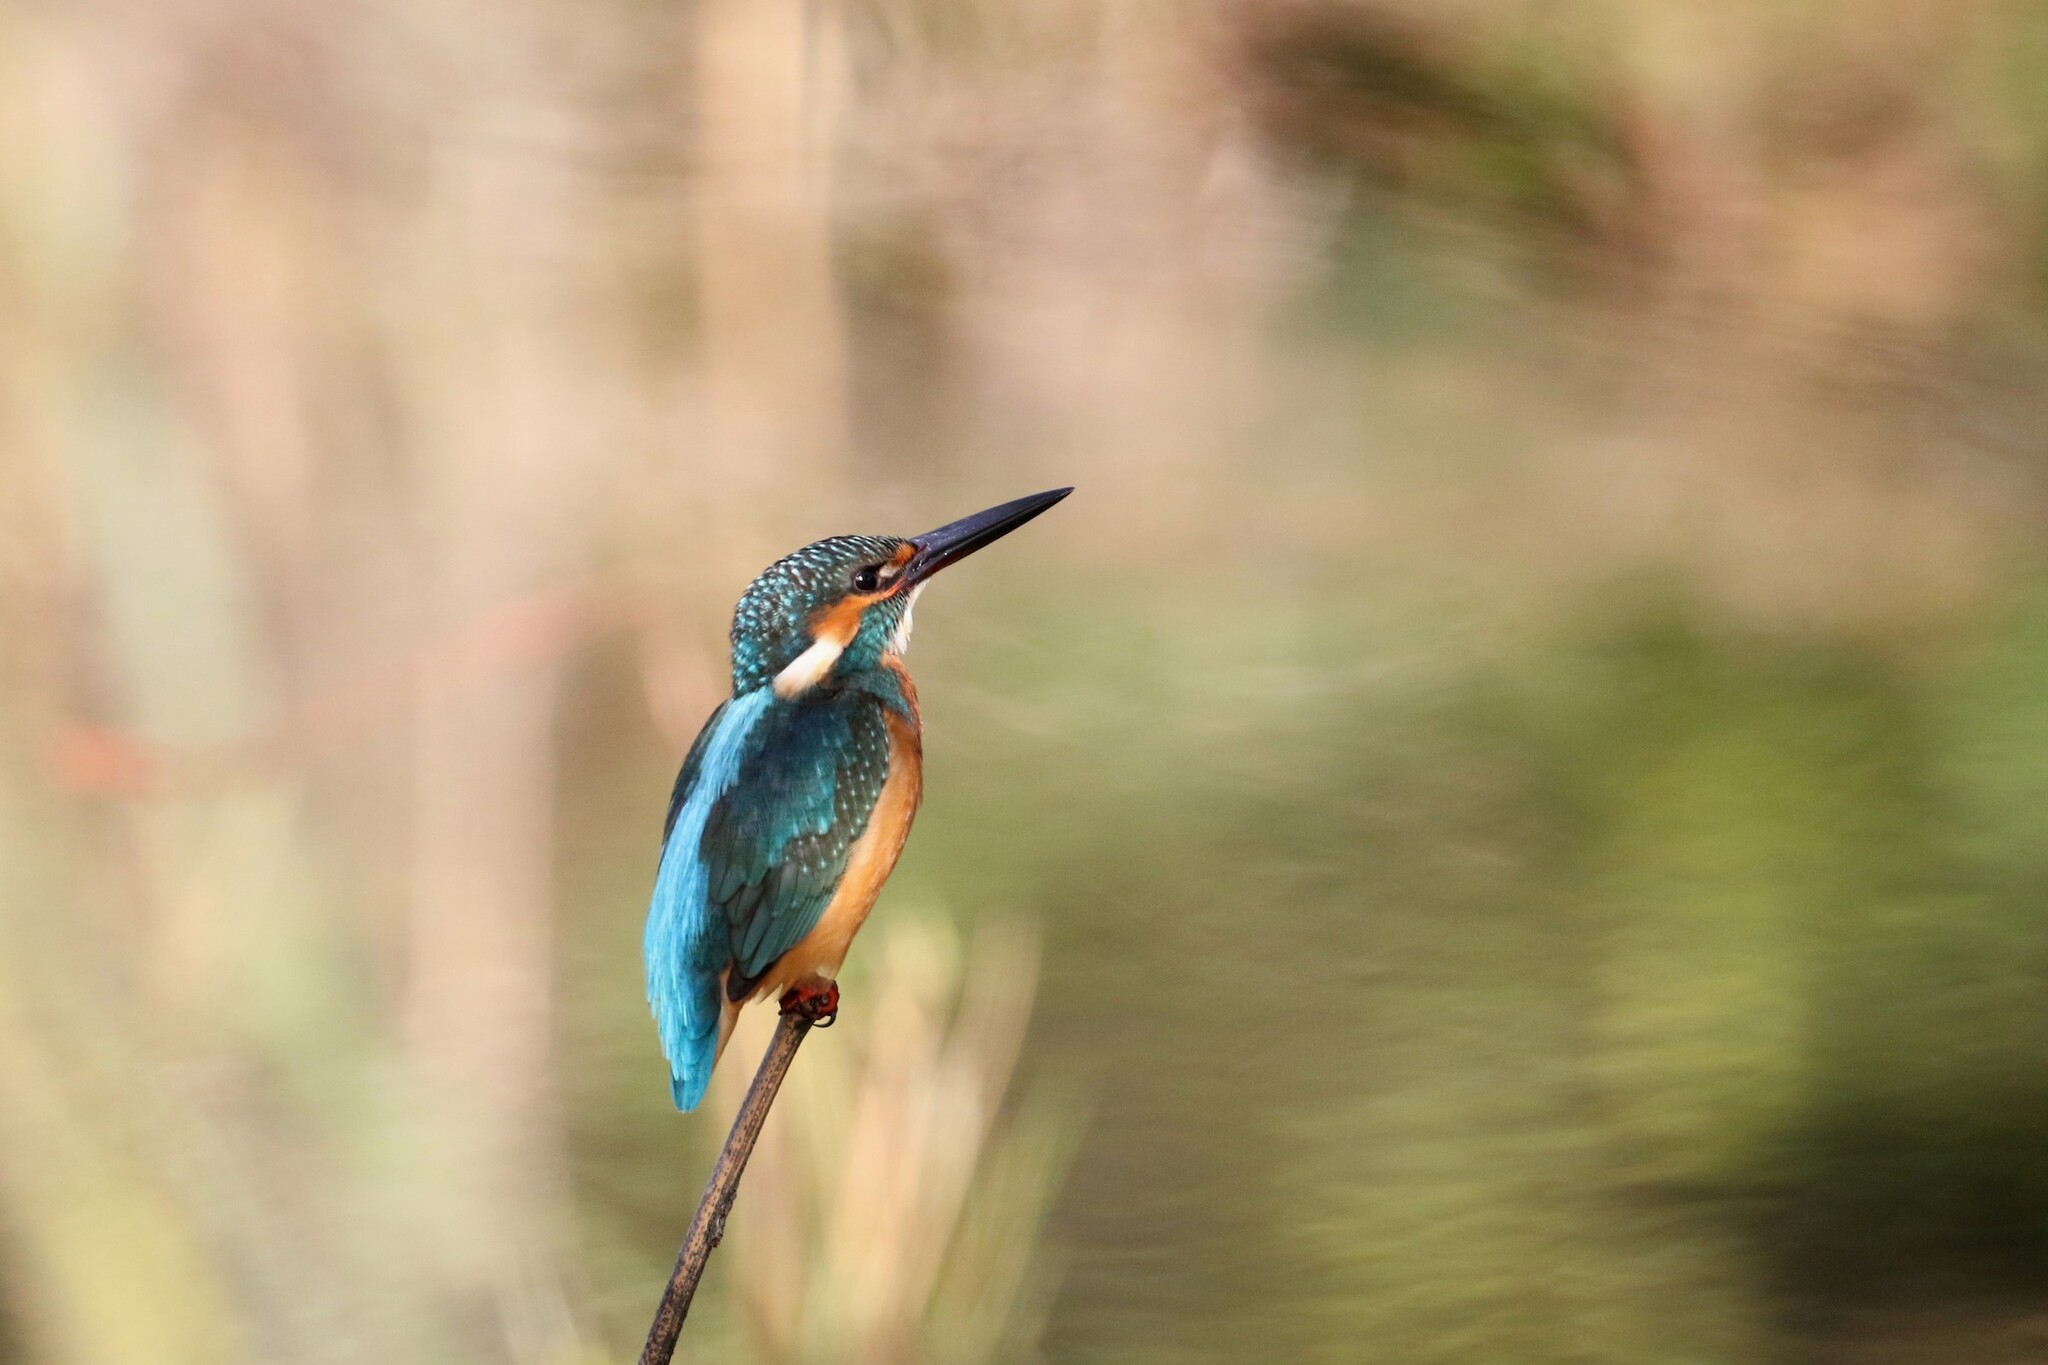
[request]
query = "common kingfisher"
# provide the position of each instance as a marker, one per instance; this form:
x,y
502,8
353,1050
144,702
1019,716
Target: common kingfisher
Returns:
x,y
795,799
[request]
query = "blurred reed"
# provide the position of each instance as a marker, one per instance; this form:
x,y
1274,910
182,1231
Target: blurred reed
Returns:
x,y
901,1190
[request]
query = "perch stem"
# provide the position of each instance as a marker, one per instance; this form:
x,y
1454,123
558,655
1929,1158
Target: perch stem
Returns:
x,y
707,1229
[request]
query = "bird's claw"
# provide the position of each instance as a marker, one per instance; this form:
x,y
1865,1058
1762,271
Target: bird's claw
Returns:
x,y
816,1005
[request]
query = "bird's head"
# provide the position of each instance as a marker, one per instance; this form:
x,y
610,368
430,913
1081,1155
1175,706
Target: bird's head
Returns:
x,y
842,604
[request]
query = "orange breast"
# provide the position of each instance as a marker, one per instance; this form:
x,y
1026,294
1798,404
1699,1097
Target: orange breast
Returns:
x,y
868,864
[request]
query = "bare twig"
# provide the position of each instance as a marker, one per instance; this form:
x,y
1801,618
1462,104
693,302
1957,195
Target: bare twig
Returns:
x,y
707,1229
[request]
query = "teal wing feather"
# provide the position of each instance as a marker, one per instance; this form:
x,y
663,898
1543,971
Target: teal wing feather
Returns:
x,y
778,839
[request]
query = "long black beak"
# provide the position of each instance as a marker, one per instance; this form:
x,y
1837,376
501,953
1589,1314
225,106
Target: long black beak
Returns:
x,y
959,539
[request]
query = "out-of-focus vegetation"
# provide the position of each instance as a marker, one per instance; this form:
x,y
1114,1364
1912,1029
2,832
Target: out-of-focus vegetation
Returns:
x,y
1525,764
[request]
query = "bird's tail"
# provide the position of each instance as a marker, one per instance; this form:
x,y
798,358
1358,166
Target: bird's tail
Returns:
x,y
690,1072
693,1060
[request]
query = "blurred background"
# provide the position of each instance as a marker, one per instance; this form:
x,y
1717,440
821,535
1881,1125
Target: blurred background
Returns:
x,y
1506,821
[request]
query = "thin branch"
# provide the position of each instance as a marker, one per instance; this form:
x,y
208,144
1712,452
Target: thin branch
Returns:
x,y
707,1229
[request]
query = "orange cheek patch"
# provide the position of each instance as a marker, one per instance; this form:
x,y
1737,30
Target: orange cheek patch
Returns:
x,y
838,623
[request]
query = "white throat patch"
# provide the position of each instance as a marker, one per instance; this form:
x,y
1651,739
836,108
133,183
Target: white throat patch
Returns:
x,y
899,638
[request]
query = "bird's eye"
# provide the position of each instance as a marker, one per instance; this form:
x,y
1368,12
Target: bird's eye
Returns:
x,y
867,579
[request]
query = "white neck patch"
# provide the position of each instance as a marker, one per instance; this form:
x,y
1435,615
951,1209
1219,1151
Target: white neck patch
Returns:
x,y
808,669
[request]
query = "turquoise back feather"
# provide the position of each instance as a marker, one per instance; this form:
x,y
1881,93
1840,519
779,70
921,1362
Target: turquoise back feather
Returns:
x,y
683,954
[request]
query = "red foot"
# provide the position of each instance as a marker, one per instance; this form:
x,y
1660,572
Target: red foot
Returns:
x,y
815,1002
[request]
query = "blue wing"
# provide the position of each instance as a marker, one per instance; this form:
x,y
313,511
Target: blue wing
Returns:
x,y
764,813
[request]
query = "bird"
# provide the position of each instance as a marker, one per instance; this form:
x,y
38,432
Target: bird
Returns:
x,y
794,801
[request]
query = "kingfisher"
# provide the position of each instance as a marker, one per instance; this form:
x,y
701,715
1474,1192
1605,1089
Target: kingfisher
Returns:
x,y
795,800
